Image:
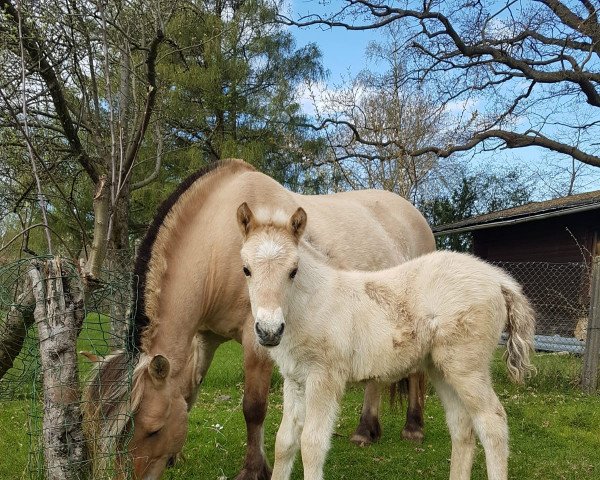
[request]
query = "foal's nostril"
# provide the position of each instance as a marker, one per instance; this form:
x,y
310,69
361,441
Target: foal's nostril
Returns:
x,y
280,330
171,462
258,330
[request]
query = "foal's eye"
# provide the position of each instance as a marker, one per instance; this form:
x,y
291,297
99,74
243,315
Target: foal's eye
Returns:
x,y
293,272
155,432
247,272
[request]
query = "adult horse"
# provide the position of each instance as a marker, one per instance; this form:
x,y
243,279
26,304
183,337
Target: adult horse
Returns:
x,y
190,298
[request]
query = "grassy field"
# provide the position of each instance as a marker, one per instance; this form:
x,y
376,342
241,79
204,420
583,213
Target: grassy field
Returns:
x,y
553,427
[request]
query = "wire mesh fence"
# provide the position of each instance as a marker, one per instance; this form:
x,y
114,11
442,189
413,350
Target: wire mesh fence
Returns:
x,y
560,294
103,328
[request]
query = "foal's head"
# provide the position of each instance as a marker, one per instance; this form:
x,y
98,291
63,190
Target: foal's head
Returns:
x,y
270,263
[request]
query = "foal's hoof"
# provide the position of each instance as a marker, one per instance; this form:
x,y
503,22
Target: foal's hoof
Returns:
x,y
261,473
415,436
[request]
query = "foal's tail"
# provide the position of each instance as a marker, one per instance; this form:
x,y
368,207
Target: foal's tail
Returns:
x,y
521,328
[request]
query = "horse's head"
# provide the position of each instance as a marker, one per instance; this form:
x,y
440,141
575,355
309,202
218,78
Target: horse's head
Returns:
x,y
159,423
143,428
270,263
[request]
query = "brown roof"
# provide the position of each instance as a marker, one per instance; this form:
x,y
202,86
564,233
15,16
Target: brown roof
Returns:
x,y
527,212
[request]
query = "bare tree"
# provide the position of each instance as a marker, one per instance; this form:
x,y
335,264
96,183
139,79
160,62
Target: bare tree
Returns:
x,y
91,89
527,70
373,123
78,87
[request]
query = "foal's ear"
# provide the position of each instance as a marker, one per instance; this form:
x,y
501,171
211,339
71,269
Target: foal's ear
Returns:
x,y
159,368
297,223
245,219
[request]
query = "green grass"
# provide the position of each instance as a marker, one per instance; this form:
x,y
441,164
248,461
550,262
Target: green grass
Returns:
x,y
553,427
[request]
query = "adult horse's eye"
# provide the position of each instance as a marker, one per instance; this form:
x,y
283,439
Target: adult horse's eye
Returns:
x,y
293,273
247,272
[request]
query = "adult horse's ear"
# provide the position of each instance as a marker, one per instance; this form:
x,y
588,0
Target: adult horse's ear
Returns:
x,y
245,219
297,223
159,368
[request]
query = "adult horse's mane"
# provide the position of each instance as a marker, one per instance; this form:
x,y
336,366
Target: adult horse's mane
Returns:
x,y
114,391
139,318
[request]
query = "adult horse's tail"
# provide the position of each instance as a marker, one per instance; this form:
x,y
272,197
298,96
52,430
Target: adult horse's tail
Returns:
x,y
520,327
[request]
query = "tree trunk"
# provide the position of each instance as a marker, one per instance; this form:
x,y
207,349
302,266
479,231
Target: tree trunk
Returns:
x,y
59,316
120,265
99,240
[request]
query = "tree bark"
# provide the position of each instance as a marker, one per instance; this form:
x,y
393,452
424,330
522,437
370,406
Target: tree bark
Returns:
x,y
100,237
59,316
120,264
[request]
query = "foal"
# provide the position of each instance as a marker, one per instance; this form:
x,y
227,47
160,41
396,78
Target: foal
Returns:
x,y
442,312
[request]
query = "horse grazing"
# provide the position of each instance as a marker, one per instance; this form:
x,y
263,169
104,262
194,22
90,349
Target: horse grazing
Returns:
x,y
188,299
442,312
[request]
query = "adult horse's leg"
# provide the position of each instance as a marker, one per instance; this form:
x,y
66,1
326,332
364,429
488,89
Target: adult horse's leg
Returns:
x,y
369,428
207,344
258,368
413,429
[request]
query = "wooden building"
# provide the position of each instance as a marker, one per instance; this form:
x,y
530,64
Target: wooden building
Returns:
x,y
548,246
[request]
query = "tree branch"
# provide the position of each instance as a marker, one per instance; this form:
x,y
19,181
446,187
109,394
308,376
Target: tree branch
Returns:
x,y
513,140
150,102
39,63
154,175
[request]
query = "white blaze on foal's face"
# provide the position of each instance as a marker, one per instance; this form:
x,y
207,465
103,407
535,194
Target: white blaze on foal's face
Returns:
x,y
270,262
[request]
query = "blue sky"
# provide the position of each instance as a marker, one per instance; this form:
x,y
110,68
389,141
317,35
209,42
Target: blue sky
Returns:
x,y
343,51
344,54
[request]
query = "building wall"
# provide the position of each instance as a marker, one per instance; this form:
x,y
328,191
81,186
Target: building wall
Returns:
x,y
570,238
560,293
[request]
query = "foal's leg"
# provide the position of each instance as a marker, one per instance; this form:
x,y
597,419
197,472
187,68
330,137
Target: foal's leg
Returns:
x,y
323,396
258,368
287,442
488,417
369,428
492,429
460,427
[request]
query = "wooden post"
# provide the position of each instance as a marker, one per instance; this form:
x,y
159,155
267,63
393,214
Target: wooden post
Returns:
x,y
58,315
589,377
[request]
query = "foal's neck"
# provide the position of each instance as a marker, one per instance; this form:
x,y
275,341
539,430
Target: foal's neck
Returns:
x,y
314,277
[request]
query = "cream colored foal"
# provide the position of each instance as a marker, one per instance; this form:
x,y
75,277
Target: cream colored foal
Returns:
x,y
442,313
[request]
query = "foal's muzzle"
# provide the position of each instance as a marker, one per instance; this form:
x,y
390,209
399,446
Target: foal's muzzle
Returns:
x,y
269,338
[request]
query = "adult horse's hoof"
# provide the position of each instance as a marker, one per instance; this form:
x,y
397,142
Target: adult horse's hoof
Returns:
x,y
412,435
261,473
367,432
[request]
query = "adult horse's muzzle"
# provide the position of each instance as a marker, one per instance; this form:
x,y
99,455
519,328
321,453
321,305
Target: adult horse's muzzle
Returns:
x,y
269,326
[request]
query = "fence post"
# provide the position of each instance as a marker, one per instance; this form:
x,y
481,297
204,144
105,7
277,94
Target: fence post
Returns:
x,y
589,377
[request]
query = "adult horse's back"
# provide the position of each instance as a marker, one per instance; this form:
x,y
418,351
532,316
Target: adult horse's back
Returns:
x,y
190,299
